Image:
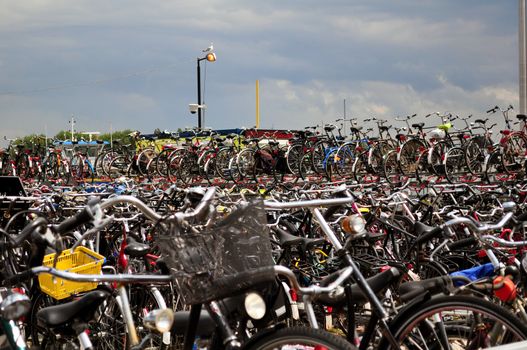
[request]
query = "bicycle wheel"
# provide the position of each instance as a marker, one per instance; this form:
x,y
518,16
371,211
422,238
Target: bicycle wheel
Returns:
x,y
300,338
436,155
331,164
475,150
210,171
494,169
243,165
305,169
185,167
513,154
221,163
375,156
118,167
422,170
143,161
22,166
319,155
161,163
293,157
455,170
42,337
392,169
77,168
455,322
409,155
109,329
346,160
360,168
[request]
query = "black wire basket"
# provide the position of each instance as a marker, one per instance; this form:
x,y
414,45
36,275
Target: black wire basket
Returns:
x,y
230,256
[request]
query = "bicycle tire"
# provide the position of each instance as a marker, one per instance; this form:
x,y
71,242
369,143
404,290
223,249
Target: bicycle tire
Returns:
x,y
293,157
299,338
392,169
221,164
77,168
118,167
455,166
346,159
494,169
319,155
331,164
144,159
513,155
475,150
451,319
22,166
408,156
242,166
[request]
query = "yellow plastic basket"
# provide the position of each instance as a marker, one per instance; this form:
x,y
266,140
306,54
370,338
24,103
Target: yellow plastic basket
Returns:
x,y
82,261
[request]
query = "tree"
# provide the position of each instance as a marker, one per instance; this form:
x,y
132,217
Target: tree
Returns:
x,y
122,136
63,135
31,141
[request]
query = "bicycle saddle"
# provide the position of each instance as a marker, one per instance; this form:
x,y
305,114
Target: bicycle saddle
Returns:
x,y
377,283
418,125
410,290
82,309
481,121
384,127
288,240
425,233
135,249
356,129
522,117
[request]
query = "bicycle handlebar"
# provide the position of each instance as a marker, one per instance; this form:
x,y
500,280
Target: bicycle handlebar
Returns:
x,y
479,228
309,203
71,276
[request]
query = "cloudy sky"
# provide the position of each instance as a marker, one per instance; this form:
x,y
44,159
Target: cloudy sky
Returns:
x,y
132,63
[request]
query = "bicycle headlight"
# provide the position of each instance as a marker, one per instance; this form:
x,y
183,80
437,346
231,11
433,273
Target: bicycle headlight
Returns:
x,y
255,306
14,306
159,319
353,224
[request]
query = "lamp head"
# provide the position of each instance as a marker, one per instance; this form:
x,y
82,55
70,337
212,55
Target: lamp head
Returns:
x,y
211,57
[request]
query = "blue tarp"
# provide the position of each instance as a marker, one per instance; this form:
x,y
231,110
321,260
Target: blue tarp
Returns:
x,y
474,273
81,143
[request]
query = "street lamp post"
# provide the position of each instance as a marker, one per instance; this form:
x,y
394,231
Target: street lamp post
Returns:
x,y
210,57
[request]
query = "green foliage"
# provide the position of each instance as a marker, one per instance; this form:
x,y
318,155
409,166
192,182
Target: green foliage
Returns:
x,y
121,135
31,141
63,135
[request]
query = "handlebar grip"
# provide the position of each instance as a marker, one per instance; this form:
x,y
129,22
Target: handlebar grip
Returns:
x,y
28,230
492,110
82,217
462,243
18,278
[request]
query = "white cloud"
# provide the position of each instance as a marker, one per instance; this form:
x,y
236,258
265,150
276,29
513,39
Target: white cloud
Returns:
x,y
318,101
